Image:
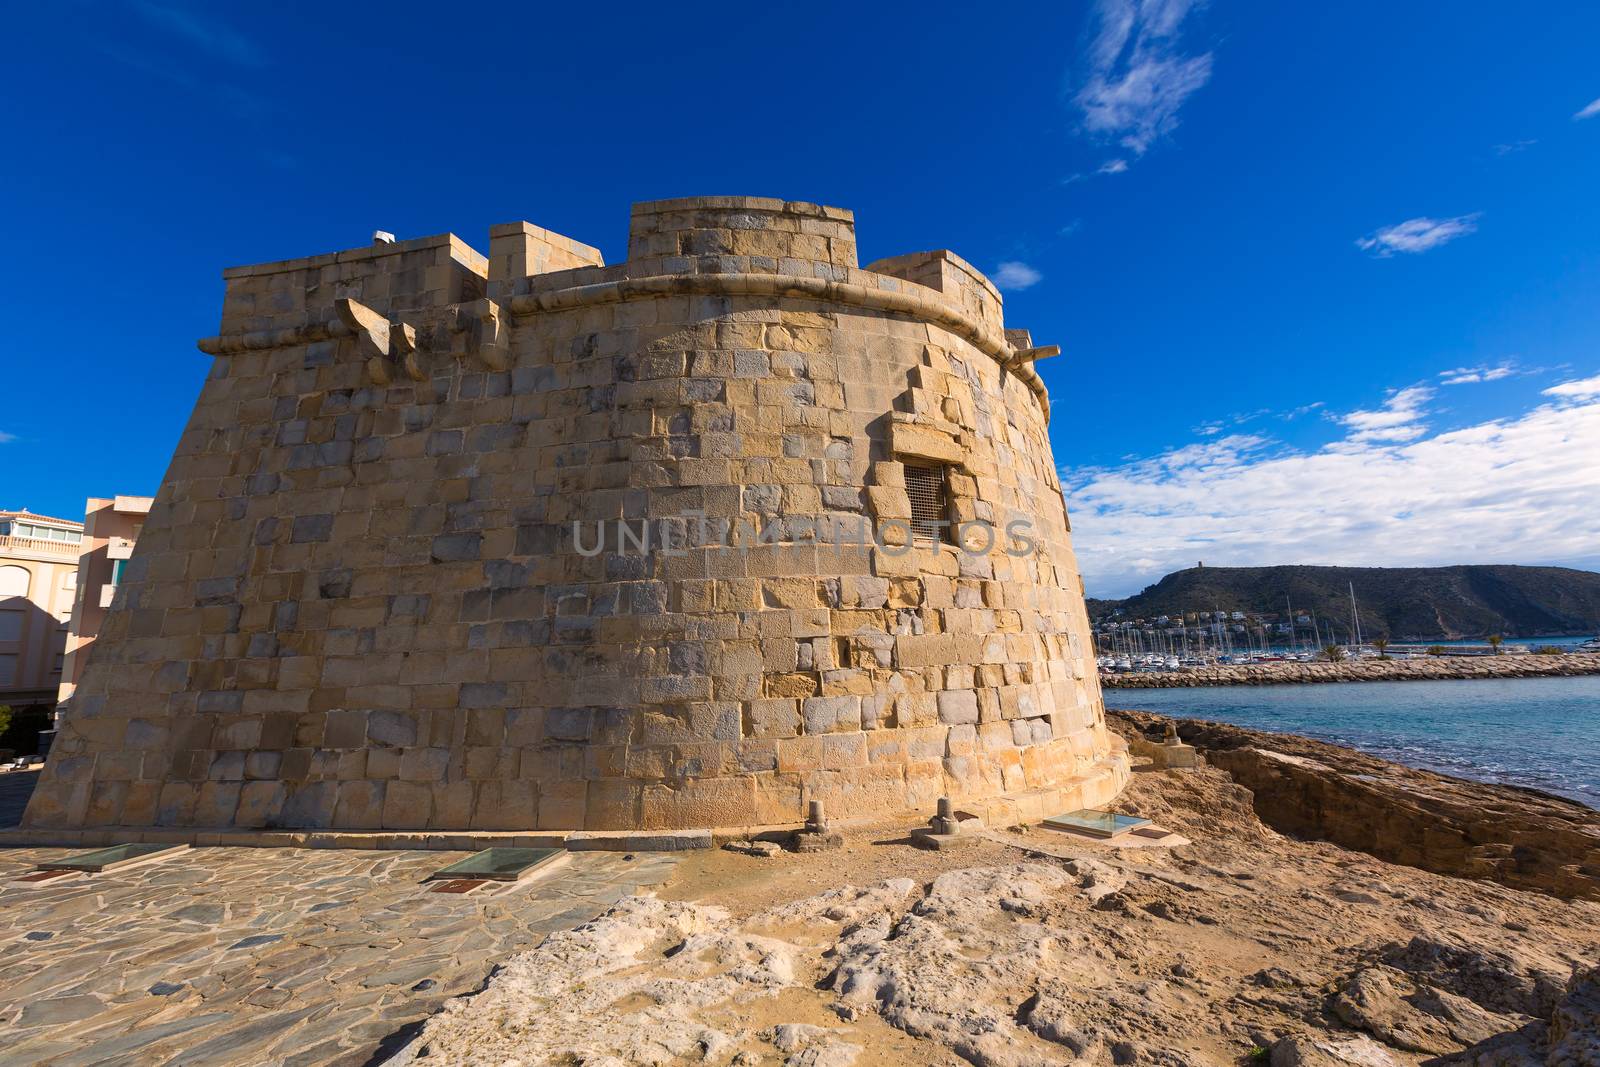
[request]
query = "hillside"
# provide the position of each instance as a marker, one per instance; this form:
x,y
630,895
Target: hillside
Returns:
x,y
1406,603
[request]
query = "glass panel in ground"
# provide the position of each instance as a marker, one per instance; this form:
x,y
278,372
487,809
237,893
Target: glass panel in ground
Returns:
x,y
505,864
1093,821
101,858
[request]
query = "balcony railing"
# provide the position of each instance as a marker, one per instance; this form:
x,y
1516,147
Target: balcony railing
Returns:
x,y
40,544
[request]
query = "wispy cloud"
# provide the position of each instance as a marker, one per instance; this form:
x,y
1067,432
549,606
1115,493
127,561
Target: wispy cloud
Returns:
x,y
1113,166
1588,111
7,438
1136,76
1015,275
1518,489
204,31
1581,389
1214,427
1303,409
1417,235
1474,375
1515,146
1399,418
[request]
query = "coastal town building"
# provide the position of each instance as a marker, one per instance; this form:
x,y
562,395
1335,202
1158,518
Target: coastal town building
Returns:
x,y
38,581
523,541
110,530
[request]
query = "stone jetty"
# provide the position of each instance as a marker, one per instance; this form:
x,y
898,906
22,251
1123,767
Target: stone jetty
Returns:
x,y
1433,668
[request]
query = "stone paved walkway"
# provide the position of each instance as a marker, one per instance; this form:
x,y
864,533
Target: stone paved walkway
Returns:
x,y
264,956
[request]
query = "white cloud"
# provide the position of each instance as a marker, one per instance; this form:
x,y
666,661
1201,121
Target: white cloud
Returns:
x,y
7,438
1590,110
1137,79
1399,419
1515,146
1417,235
1012,275
1113,166
1581,389
1303,409
1473,375
1514,490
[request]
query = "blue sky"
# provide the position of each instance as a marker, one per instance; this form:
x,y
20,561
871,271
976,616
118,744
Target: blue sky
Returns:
x,y
1326,277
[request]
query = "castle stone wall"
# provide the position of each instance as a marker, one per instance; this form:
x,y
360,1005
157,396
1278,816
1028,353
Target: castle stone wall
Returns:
x,y
367,598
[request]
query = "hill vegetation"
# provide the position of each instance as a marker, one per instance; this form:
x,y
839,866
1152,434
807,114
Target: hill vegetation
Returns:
x,y
1403,603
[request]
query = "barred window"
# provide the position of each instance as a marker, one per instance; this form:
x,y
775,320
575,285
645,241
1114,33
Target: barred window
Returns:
x,y
929,490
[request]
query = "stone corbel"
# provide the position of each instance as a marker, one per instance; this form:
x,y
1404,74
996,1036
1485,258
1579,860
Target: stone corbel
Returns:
x,y
372,335
486,334
403,343
1022,356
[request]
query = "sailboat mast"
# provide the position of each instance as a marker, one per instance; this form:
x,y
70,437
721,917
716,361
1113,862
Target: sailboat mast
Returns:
x,y
1355,616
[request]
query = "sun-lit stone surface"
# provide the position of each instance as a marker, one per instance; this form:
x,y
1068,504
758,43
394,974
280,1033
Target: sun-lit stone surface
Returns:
x,y
361,600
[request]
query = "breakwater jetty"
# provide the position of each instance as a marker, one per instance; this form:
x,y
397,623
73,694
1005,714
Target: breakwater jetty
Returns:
x,y
1433,668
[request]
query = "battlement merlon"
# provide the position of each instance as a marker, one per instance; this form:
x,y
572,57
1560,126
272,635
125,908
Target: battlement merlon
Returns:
x,y
393,278
521,250
720,244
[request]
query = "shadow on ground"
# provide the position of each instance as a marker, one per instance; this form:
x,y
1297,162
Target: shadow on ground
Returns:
x,y
15,789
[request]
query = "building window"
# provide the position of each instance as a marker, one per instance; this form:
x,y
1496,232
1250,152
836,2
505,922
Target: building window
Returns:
x,y
929,490
10,625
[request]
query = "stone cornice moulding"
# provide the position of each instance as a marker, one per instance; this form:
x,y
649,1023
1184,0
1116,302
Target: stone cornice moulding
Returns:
x,y
824,290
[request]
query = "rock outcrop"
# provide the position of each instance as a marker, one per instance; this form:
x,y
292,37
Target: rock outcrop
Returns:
x,y
1030,948
1517,837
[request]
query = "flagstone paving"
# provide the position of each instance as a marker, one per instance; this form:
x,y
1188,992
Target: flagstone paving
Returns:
x,y
265,955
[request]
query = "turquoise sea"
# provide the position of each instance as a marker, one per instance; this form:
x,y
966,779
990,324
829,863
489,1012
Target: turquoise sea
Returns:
x,y
1538,732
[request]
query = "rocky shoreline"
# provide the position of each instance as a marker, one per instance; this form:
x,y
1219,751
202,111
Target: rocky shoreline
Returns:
x,y
1433,668
1522,838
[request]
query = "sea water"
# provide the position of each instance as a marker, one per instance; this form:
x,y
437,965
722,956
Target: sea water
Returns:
x,y
1537,732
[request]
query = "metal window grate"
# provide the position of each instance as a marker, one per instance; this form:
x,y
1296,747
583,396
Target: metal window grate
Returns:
x,y
929,491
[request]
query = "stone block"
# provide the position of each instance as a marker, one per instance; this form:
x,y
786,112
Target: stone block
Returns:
x,y
887,502
773,718
822,715
922,442
407,805
958,707
392,728
424,764
708,802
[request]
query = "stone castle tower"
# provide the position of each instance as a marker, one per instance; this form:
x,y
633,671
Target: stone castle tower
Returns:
x,y
367,596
